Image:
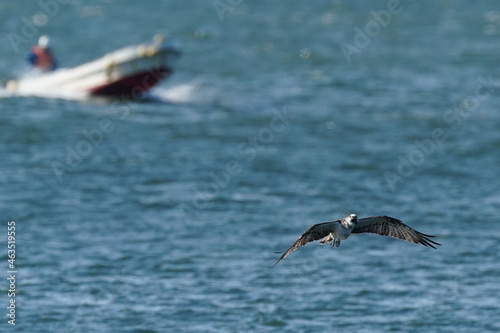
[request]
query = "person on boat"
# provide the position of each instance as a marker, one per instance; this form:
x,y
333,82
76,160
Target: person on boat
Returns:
x,y
41,57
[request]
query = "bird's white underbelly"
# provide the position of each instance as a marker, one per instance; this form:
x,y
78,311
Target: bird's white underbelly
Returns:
x,y
342,233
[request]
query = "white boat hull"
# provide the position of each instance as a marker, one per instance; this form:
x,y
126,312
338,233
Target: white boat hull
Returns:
x,y
127,72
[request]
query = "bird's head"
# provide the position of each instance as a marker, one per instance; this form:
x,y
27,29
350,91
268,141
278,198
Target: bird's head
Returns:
x,y
350,219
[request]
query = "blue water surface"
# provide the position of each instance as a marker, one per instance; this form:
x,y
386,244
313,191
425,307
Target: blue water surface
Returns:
x,y
280,114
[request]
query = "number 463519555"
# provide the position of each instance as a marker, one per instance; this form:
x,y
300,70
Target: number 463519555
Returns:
x,y
11,243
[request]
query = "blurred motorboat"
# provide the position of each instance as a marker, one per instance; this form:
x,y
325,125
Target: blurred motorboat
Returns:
x,y
126,72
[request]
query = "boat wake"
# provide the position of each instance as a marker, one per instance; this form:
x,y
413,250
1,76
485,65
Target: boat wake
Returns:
x,y
183,93
195,92
3,93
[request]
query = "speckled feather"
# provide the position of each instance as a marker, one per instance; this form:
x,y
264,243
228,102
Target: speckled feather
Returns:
x,y
389,226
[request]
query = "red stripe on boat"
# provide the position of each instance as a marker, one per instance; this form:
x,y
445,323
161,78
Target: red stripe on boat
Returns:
x,y
133,86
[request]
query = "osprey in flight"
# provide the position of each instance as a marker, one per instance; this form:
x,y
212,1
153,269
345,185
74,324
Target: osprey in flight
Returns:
x,y
338,230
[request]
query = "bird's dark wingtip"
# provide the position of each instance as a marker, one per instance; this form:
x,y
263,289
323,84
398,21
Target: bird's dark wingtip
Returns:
x,y
428,242
279,259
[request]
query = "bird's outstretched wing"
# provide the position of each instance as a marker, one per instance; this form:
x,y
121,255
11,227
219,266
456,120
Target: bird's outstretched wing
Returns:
x,y
389,226
314,233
